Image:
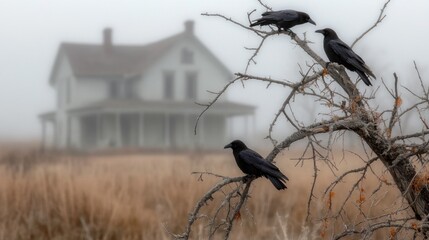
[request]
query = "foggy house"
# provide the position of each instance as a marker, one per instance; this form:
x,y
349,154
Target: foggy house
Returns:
x,y
138,96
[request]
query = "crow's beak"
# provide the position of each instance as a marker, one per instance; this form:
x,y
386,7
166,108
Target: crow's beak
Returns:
x,y
228,146
320,31
311,21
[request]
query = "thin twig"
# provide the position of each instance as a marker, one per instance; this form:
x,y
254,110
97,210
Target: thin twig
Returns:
x,y
379,20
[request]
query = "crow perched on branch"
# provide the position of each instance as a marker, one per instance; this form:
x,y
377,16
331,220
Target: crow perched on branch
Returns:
x,y
283,19
250,162
339,52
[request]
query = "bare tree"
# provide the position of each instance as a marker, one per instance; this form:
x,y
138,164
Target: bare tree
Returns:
x,y
344,109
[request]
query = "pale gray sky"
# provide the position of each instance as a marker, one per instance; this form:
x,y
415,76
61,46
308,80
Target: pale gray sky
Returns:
x,y
32,31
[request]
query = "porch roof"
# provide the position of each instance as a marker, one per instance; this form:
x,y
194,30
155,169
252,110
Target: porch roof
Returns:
x,y
161,106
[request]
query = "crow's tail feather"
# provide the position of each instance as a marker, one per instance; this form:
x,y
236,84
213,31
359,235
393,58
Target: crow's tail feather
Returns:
x,y
365,78
368,71
256,23
267,13
261,22
277,182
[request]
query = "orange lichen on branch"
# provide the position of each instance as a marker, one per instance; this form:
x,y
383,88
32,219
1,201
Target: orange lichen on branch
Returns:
x,y
324,228
398,102
361,196
324,72
353,107
392,233
414,226
420,181
329,202
237,216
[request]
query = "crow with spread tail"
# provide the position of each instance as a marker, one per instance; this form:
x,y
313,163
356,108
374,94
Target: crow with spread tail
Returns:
x,y
251,163
283,19
339,52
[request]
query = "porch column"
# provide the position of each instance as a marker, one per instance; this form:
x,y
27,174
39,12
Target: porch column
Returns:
x,y
77,132
167,130
97,131
201,132
141,130
118,139
246,127
188,138
43,134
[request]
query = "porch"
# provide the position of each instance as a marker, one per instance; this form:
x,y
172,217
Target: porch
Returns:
x,y
146,130
134,123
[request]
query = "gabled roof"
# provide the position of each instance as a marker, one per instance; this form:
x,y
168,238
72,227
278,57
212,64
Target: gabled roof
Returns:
x,y
122,60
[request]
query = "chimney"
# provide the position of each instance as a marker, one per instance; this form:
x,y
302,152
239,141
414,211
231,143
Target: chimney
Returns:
x,y
189,27
107,39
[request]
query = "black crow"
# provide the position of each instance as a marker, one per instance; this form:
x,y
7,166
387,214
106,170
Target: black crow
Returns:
x,y
250,162
283,19
339,52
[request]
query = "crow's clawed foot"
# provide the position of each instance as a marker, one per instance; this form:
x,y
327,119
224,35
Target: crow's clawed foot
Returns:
x,y
327,65
290,33
246,178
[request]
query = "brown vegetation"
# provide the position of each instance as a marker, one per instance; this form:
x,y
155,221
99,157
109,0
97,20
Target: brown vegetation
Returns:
x,y
142,196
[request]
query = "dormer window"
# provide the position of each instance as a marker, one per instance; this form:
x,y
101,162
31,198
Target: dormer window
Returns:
x,y
187,56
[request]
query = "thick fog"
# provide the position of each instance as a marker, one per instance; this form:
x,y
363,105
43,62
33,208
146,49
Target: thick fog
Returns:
x,y
31,32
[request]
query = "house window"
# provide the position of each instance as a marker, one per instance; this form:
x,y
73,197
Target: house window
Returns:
x,y
187,56
168,85
191,85
129,89
114,89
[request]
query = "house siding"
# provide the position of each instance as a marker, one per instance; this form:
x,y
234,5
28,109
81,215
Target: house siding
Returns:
x,y
209,76
63,74
89,90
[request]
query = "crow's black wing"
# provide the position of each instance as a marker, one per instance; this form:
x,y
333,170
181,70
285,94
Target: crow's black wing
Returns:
x,y
255,160
284,15
346,54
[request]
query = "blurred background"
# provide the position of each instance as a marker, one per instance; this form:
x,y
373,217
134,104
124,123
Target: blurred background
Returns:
x,y
36,35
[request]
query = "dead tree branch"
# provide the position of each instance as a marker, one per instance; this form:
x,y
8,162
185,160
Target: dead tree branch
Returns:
x,y
379,20
345,109
204,200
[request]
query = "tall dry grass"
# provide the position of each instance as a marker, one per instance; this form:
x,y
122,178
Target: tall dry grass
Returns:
x,y
136,196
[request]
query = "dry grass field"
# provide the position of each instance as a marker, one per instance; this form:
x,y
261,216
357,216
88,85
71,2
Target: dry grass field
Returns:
x,y
137,196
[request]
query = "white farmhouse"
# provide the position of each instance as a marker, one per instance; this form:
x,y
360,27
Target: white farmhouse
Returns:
x,y
138,96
